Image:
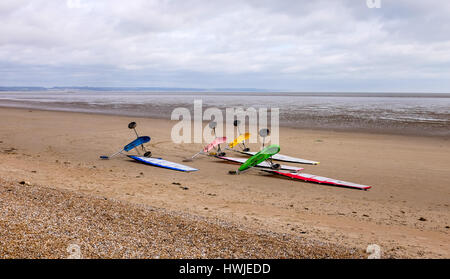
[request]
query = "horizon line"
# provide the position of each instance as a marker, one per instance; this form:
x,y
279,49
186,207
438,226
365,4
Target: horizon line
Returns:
x,y
203,90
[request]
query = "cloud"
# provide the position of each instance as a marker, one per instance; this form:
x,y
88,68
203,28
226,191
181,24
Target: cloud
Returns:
x,y
298,45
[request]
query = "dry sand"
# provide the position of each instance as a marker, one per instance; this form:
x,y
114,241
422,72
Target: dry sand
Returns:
x,y
406,212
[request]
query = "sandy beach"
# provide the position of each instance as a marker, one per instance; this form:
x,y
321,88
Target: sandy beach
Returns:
x,y
406,212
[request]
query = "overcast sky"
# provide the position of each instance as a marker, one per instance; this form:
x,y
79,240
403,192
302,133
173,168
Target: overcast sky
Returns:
x,y
285,45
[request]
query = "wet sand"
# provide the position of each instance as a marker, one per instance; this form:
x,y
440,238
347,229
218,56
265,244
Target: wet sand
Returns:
x,y
406,212
386,113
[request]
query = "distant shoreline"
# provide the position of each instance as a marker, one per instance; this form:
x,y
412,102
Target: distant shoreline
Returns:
x,y
222,90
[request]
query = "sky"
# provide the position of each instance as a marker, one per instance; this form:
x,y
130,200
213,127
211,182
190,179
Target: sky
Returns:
x,y
288,45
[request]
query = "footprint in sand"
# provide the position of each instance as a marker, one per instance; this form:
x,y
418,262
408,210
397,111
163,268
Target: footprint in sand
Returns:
x,y
159,143
10,150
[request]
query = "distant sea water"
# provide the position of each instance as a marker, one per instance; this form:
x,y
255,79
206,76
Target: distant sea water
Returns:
x,y
420,114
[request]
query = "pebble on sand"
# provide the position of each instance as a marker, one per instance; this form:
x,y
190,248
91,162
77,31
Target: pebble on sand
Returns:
x,y
107,228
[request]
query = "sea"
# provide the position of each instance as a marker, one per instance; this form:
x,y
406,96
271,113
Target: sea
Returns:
x,y
424,114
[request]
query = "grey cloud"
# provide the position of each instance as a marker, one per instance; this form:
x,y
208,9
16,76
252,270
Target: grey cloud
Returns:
x,y
283,44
